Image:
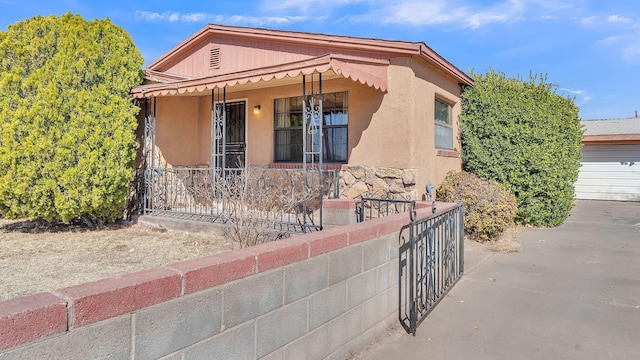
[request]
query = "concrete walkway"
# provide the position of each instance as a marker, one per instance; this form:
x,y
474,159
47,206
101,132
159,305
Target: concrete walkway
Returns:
x,y
572,293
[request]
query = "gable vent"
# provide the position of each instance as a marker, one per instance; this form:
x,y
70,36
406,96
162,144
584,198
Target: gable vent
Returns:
x,y
214,58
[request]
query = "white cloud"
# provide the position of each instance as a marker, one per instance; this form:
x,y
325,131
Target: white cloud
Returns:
x,y
631,52
459,13
618,19
605,22
454,13
627,45
441,12
170,16
306,6
479,19
584,100
148,16
619,35
591,20
610,41
580,96
418,13
174,16
262,20
554,5
576,92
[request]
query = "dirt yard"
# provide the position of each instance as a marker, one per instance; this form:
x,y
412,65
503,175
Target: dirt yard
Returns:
x,y
36,256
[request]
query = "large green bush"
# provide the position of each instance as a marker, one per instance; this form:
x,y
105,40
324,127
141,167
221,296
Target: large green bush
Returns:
x,y
67,123
526,137
488,208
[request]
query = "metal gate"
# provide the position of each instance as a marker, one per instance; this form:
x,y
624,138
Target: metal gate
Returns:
x,y
431,262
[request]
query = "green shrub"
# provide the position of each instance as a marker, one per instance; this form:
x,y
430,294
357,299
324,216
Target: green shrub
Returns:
x,y
67,123
527,138
488,208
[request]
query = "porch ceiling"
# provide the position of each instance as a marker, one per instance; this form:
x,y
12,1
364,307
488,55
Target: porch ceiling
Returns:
x,y
367,71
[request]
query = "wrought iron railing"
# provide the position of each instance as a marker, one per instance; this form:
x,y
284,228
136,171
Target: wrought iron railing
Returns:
x,y
135,204
372,208
431,262
283,199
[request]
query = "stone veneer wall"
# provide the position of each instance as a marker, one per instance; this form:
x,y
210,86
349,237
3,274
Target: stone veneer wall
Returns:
x,y
359,180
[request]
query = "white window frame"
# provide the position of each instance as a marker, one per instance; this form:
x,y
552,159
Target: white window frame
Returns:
x,y
443,130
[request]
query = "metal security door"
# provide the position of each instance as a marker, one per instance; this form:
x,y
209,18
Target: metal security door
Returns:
x,y
235,154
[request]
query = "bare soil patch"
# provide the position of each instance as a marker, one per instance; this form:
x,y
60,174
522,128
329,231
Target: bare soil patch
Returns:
x,y
506,242
37,256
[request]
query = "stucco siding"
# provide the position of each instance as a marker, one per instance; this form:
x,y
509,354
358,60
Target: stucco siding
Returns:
x,y
429,83
204,130
393,129
239,54
177,129
385,126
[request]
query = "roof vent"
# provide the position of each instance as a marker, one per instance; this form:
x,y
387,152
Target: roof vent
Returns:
x,y
214,58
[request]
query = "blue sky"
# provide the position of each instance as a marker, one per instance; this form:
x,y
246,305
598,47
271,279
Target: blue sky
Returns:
x,y
589,48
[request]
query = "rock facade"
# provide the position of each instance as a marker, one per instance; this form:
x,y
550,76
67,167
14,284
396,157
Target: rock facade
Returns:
x,y
363,181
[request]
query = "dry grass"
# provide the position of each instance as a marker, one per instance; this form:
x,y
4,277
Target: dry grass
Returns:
x,y
506,242
36,256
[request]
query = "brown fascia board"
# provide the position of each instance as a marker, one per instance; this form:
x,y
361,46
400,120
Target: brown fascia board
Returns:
x,y
391,47
611,139
188,43
434,58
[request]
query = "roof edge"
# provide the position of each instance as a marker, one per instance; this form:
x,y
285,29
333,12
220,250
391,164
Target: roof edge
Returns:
x,y
393,47
611,139
346,66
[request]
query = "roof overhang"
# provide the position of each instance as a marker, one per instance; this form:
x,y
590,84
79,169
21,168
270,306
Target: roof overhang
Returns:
x,y
611,139
390,48
367,71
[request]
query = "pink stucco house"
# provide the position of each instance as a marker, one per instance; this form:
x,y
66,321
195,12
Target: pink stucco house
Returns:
x,y
381,114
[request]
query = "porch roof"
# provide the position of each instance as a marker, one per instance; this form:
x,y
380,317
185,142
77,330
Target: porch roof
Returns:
x,y
368,71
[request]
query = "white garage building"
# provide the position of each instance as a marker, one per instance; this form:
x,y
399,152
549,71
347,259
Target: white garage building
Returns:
x,y
610,160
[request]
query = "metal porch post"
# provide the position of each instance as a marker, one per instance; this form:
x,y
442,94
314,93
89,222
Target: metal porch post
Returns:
x,y
149,153
218,141
312,117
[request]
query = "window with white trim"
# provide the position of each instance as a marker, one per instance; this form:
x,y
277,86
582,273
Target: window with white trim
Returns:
x,y
288,128
443,125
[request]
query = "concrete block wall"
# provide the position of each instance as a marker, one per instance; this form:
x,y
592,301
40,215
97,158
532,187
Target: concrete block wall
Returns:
x,y
313,296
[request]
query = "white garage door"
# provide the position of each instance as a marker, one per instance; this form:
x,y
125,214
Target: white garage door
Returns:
x,y
609,172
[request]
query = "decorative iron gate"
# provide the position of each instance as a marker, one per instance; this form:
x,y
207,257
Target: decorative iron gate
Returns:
x,y
431,255
431,262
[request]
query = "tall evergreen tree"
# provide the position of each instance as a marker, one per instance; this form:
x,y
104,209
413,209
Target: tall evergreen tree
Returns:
x,y
67,122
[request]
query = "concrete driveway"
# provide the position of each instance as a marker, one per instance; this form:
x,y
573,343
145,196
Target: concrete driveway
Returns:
x,y
572,293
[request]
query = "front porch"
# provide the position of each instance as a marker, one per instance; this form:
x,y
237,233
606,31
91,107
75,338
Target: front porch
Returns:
x,y
227,188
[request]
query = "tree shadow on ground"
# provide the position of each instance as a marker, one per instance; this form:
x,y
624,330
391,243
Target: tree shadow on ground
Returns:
x,y
40,226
